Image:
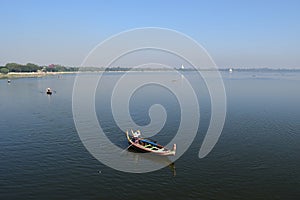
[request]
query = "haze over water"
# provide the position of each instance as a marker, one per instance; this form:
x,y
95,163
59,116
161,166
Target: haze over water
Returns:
x,y
256,157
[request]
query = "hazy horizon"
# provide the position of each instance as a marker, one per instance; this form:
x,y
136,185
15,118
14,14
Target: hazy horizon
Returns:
x,y
236,34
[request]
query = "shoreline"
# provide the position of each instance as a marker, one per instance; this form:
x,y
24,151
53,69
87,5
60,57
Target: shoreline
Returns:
x,y
31,74
42,74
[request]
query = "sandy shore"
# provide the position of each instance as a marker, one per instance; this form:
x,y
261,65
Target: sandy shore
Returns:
x,y
41,74
31,74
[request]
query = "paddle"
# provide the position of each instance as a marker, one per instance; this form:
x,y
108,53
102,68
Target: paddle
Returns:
x,y
126,149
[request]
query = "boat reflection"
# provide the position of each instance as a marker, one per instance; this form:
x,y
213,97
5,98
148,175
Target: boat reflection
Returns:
x,y
162,160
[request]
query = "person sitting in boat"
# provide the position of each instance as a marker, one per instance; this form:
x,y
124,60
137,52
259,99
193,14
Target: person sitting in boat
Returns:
x,y
136,134
48,91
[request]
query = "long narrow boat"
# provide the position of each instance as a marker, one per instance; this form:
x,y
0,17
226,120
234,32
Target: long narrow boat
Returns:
x,y
146,145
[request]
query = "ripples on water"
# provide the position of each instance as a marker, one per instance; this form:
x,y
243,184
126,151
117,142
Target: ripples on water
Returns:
x,y
257,156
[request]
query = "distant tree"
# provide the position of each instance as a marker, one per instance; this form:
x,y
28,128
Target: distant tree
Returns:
x,y
55,68
4,70
30,67
14,67
11,65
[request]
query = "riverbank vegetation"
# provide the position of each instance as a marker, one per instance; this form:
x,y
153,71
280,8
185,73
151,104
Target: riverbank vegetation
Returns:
x,y
30,67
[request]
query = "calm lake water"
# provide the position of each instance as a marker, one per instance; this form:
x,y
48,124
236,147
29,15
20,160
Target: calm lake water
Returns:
x,y
256,157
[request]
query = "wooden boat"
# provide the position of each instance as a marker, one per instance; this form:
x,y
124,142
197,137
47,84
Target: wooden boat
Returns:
x,y
48,91
147,145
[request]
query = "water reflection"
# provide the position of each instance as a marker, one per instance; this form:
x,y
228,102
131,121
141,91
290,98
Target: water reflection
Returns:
x,y
162,160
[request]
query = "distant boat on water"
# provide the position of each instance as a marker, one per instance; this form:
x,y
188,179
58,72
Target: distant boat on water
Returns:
x,y
230,70
48,91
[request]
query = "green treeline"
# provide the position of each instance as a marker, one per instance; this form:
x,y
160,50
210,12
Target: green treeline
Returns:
x,y
30,67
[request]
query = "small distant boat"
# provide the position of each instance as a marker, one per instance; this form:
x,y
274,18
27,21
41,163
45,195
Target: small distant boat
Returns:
x,y
230,70
147,145
48,91
8,80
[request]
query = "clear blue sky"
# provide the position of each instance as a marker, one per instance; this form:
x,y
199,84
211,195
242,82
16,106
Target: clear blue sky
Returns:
x,y
254,33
